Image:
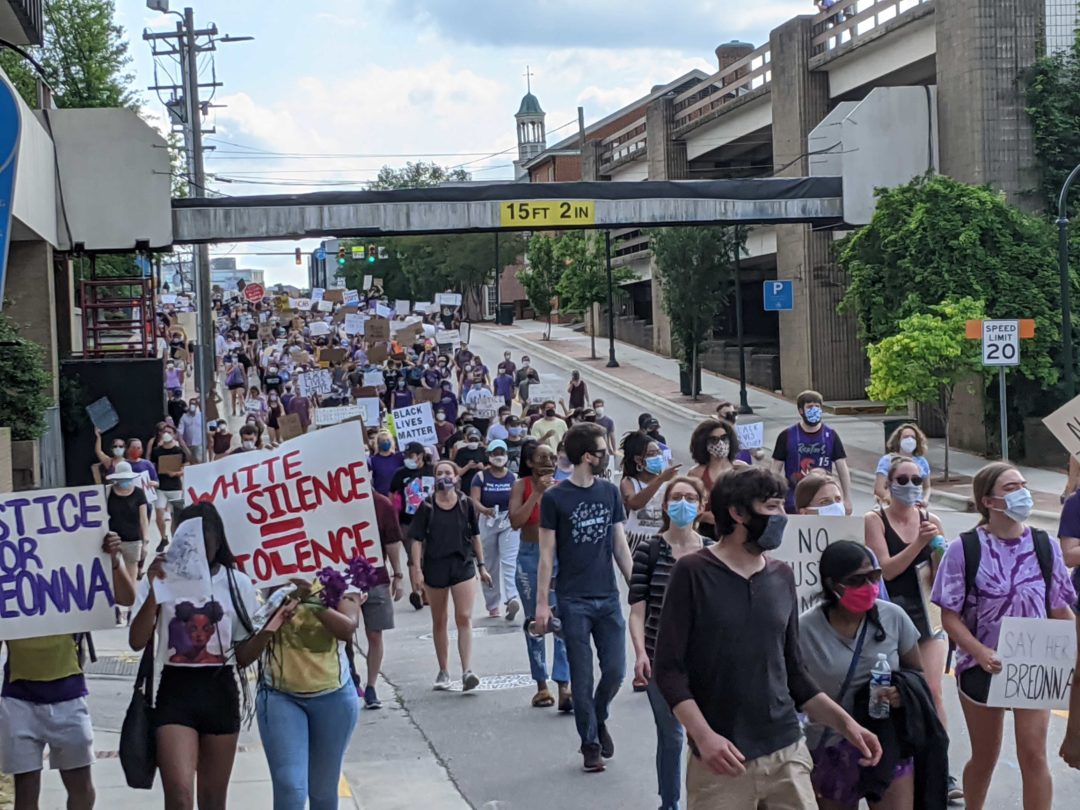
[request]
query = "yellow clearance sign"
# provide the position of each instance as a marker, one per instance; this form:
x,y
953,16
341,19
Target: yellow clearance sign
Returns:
x,y
547,213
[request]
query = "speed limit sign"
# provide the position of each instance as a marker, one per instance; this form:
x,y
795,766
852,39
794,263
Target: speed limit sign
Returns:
x,y
1001,343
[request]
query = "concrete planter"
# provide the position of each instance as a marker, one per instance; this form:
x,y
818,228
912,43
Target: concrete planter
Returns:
x,y
26,464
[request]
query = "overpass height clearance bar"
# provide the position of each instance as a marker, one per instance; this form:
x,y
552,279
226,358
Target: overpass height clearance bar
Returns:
x,y
550,213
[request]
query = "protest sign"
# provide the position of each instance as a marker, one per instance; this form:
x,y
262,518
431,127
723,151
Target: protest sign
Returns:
x,y
448,337
402,307
427,395
290,426
383,311
377,354
751,436
168,298
448,299
369,411
296,509
367,282
319,329
335,416
350,297
805,537
332,356
466,332
542,393
103,414
335,295
377,329
365,392
302,304
1038,658
374,378
170,463
485,407
424,307
317,293
354,324
266,332
187,571
408,333
1064,423
415,424
315,382
54,577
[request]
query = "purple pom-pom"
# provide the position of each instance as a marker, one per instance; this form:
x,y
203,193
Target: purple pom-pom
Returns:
x,y
334,587
363,574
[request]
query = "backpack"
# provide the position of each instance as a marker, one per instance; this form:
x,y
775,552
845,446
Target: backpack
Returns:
x,y
1044,553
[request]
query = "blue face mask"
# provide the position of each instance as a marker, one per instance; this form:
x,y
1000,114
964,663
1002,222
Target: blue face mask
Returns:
x,y
812,415
682,513
654,465
1018,505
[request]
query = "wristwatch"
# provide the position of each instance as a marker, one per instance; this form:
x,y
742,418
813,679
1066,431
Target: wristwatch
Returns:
x,y
480,565
398,576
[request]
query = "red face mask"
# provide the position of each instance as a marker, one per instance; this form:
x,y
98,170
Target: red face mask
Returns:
x,y
135,453
861,598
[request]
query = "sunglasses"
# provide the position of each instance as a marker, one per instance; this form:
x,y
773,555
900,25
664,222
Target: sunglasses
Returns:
x,y
858,580
903,480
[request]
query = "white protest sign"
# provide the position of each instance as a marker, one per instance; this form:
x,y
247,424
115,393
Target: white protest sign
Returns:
x,y
805,537
1064,423
539,394
54,577
351,297
374,379
1038,658
335,416
415,424
448,299
168,298
302,304
401,307
425,307
315,382
294,510
317,293
369,411
448,337
383,311
319,329
367,282
751,436
354,324
187,571
485,407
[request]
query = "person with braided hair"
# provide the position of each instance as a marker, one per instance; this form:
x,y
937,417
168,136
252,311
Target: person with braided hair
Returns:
x,y
840,639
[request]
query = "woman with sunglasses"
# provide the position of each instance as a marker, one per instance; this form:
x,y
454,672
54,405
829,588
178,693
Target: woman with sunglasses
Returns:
x,y
715,447
841,639
1009,581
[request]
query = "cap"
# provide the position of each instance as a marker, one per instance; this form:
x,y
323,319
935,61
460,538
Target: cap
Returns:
x,y
122,472
496,444
412,448
471,431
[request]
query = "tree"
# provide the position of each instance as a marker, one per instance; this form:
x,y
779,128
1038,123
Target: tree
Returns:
x,y
24,395
1053,107
85,57
696,269
584,281
418,175
927,358
540,278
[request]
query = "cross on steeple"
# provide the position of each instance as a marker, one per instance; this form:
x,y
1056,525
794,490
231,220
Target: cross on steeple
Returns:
x,y
528,79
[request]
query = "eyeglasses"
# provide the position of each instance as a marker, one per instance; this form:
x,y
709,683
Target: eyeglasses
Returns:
x,y
903,480
857,580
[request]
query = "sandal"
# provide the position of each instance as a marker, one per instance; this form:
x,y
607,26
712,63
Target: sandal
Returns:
x,y
566,703
543,700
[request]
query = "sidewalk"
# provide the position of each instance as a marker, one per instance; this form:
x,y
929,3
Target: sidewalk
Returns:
x,y
654,381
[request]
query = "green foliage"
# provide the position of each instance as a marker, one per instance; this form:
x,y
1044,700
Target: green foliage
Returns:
x,y
584,281
24,394
541,276
697,272
935,239
418,175
85,57
1053,107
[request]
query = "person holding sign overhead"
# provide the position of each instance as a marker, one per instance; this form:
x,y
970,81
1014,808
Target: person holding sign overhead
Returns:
x,y
1001,568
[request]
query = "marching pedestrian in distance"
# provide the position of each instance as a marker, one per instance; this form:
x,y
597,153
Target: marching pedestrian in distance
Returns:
x,y
606,422
524,377
384,462
275,410
176,407
1015,571
470,457
220,439
746,740
170,492
508,364
236,382
193,431
504,384
810,444
129,519
910,442
410,485
490,491
445,559
550,428
498,430
714,446
727,412
581,530
577,391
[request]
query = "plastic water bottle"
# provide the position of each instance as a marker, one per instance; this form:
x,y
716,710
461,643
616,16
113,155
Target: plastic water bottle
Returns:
x,y
554,626
880,679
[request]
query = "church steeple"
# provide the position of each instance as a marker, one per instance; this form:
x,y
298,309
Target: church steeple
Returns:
x,y
531,137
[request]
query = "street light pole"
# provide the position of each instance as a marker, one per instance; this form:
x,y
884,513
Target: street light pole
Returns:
x,y
1063,269
498,279
744,404
612,362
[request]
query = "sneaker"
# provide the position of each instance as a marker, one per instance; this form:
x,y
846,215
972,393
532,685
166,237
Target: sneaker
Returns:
x,y
371,700
493,613
956,793
442,681
512,608
469,681
593,761
607,745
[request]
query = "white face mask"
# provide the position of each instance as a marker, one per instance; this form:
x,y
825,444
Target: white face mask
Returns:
x,y
248,445
167,438
908,445
472,445
118,452
832,510
599,411
498,461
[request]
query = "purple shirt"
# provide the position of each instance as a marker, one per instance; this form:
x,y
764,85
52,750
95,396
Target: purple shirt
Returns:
x,y
504,387
141,465
449,404
1008,583
401,398
383,469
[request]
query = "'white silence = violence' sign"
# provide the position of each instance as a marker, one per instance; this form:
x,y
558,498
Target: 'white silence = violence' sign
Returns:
x,y
1064,423
415,424
54,577
296,509
805,537
315,382
1038,658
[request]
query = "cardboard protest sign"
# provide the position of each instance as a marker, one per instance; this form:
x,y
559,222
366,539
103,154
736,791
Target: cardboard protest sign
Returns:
x,y
333,355
408,333
335,416
415,424
378,354
402,307
290,426
374,378
171,463
751,436
427,395
369,407
54,577
335,296
319,329
354,324
315,382
805,537
168,298
1038,658
486,407
377,329
365,392
1064,423
350,297
103,414
296,509
448,299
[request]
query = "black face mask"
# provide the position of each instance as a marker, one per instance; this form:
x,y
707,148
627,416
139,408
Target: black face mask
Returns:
x,y
599,466
765,532
550,413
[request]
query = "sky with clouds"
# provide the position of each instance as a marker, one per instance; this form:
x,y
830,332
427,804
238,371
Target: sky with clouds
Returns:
x,y
331,90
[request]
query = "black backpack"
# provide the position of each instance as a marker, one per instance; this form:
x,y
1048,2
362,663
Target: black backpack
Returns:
x,y
1044,553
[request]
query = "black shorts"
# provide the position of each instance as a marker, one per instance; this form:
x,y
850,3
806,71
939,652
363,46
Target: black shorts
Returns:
x,y
206,699
975,684
446,572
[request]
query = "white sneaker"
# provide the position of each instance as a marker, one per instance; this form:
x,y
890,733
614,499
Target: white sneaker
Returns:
x,y
469,681
512,609
442,681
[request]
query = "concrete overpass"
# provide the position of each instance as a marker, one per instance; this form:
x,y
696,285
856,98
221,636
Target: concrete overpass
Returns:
x,y
471,208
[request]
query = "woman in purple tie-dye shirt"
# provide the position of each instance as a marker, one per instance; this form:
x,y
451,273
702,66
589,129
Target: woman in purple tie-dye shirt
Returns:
x,y
1009,582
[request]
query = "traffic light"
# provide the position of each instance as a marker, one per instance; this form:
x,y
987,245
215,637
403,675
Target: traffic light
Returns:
x,y
371,254
341,257
298,260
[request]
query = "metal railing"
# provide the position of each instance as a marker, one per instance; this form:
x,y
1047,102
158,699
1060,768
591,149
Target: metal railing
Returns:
x,y
844,24
31,19
628,141
736,80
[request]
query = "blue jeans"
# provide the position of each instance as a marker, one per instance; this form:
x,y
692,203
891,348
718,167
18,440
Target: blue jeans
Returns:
x,y
305,741
669,747
528,562
601,621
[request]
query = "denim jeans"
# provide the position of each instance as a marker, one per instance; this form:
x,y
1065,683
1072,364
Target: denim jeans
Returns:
x,y
528,562
669,747
305,741
601,621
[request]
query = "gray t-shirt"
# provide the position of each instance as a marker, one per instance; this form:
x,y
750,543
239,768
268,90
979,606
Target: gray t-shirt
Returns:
x,y
827,654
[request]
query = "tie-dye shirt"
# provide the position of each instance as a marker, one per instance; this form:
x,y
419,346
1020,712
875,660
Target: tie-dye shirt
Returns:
x,y
1008,583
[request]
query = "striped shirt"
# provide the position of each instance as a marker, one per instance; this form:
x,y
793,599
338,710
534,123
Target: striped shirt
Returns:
x,y
649,586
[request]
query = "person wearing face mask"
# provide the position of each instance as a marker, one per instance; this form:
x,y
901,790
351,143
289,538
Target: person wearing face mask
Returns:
x,y
220,440
448,402
129,517
497,430
509,365
549,429
727,412
384,462
577,391
910,442
249,438
193,432
1002,567
524,377
173,377
272,381
176,406
444,429
810,444
470,456
653,560
490,491
606,422
401,396
445,559
841,639
170,493
715,447
746,739
644,476
274,411
504,384
107,461
515,440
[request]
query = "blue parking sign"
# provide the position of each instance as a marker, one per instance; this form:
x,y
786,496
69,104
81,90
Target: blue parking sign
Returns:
x,y
778,295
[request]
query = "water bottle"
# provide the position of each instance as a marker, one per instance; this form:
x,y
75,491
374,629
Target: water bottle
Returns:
x,y
880,679
554,626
